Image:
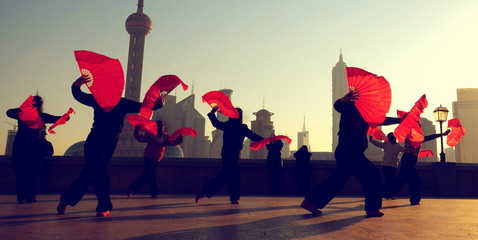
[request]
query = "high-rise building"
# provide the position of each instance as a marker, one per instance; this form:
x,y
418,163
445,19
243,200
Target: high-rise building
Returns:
x,y
465,108
303,138
264,127
339,89
138,25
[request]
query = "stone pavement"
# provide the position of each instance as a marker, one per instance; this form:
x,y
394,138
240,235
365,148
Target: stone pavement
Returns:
x,y
256,217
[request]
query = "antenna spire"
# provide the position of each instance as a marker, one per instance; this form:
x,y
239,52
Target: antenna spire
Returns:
x,y
140,6
303,127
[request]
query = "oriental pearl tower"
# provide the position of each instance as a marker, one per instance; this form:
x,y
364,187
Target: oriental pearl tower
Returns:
x,y
138,26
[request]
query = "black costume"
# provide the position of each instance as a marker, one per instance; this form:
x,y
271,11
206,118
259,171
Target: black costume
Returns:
x,y
28,152
234,134
274,165
350,160
99,148
302,169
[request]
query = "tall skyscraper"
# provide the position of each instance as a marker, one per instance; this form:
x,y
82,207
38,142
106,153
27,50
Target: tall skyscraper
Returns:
x,y
466,110
303,138
339,89
138,26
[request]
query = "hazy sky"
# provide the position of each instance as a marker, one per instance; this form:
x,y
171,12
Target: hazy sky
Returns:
x,y
280,51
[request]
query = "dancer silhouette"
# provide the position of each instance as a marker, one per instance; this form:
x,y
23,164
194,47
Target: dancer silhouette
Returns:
x,y
391,150
234,134
407,172
350,160
28,152
153,153
99,148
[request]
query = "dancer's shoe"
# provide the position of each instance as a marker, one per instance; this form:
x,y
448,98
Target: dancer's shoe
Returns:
x,y
309,207
61,208
199,195
377,213
129,193
103,214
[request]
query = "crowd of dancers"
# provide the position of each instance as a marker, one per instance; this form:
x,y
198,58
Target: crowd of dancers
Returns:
x,y
29,149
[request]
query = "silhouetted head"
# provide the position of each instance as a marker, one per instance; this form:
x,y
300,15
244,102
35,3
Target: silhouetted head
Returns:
x,y
240,114
304,148
160,126
38,103
391,138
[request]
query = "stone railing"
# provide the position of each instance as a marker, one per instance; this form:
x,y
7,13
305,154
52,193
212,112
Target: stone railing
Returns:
x,y
185,176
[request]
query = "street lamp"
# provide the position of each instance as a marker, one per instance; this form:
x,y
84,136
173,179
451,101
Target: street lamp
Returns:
x,y
441,113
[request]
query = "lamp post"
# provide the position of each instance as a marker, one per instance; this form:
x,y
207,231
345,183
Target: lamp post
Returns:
x,y
441,113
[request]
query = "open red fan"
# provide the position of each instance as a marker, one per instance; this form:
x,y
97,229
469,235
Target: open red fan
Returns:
x,y
259,144
29,114
143,123
410,126
218,98
377,133
61,121
425,153
457,131
375,95
183,132
162,87
107,77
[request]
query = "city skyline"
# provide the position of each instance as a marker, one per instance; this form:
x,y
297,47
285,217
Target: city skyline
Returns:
x,y
283,52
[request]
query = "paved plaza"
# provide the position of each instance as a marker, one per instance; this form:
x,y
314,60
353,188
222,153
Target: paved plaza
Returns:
x,y
256,217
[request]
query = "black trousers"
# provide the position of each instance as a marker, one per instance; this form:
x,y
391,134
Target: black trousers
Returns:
x,y
26,163
408,174
389,173
275,178
229,174
148,176
302,175
98,152
350,160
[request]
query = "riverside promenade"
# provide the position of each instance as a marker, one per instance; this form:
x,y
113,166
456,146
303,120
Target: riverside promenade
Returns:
x,y
256,217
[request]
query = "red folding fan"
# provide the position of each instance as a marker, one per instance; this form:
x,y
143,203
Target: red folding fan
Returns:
x,y
61,121
457,131
144,124
377,133
218,98
162,87
425,153
29,114
259,144
183,132
107,77
375,95
410,126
